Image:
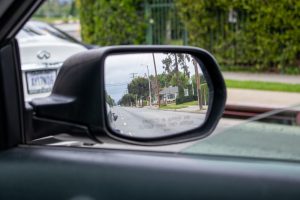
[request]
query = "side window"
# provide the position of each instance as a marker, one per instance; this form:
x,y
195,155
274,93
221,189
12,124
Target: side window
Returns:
x,y
259,60
44,47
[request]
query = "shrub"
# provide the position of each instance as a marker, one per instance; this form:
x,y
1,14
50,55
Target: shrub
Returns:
x,y
265,35
114,22
184,99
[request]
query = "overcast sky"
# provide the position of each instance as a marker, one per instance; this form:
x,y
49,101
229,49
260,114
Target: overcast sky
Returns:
x,y
119,69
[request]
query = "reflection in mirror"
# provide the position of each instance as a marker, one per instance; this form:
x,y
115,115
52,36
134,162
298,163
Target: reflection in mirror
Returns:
x,y
151,95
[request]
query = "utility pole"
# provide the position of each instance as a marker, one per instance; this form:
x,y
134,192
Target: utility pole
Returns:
x,y
149,86
132,75
157,82
197,77
177,70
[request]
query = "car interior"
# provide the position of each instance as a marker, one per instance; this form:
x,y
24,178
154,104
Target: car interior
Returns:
x,y
135,168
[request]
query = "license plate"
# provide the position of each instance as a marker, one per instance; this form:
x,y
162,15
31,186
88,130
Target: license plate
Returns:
x,y
40,81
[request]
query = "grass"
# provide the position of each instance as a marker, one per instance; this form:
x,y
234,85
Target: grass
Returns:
x,y
292,70
259,85
173,106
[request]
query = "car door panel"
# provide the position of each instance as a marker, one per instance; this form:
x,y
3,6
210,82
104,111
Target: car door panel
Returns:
x,y
78,173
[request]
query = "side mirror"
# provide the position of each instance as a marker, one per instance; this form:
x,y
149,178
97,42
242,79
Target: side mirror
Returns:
x,y
162,95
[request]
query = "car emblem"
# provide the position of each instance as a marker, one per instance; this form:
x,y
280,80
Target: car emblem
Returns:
x,y
43,55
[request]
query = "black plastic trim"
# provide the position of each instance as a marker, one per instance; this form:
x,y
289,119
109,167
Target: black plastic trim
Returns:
x,y
81,173
81,79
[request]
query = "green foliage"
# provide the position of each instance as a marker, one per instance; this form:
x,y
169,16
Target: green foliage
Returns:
x,y
139,86
110,100
56,9
183,80
87,23
127,100
176,61
164,79
172,64
112,22
265,37
184,99
258,85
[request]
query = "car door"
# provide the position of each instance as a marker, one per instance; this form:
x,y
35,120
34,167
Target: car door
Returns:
x,y
30,171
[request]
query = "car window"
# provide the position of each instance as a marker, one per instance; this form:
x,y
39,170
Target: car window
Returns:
x,y
43,49
256,44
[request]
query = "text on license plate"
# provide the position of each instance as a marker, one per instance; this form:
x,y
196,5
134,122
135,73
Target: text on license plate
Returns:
x,y
40,81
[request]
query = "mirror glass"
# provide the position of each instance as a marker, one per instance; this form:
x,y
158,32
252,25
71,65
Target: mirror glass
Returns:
x,y
151,95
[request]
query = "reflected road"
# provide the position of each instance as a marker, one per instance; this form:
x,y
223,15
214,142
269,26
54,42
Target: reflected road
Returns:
x,y
151,122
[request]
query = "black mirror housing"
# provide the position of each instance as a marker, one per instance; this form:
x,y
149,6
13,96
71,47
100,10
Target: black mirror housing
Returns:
x,y
78,97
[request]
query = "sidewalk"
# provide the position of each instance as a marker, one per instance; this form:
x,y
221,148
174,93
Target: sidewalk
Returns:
x,y
259,98
265,77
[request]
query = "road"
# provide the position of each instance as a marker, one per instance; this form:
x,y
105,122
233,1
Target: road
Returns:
x,y
150,122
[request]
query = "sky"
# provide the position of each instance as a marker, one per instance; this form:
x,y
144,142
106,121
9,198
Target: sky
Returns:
x,y
119,70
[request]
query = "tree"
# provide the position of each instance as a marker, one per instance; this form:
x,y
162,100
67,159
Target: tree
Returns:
x,y
112,22
127,100
184,80
54,8
171,65
173,61
110,100
139,86
164,79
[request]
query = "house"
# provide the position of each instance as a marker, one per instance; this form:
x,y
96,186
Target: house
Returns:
x,y
169,94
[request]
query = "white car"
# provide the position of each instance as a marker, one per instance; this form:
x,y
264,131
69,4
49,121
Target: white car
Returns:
x,y
42,54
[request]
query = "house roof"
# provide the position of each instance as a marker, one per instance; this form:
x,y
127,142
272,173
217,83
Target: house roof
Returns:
x,y
169,90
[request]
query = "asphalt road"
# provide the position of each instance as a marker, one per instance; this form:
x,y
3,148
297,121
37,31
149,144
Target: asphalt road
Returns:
x,y
148,122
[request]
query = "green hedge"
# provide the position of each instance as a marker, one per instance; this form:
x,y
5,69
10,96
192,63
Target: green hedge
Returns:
x,y
112,22
265,37
184,99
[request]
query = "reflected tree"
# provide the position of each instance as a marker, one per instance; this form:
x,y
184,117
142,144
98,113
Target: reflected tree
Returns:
x,y
139,88
127,100
172,64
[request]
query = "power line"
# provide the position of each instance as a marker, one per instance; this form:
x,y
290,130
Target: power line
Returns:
x,y
132,75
